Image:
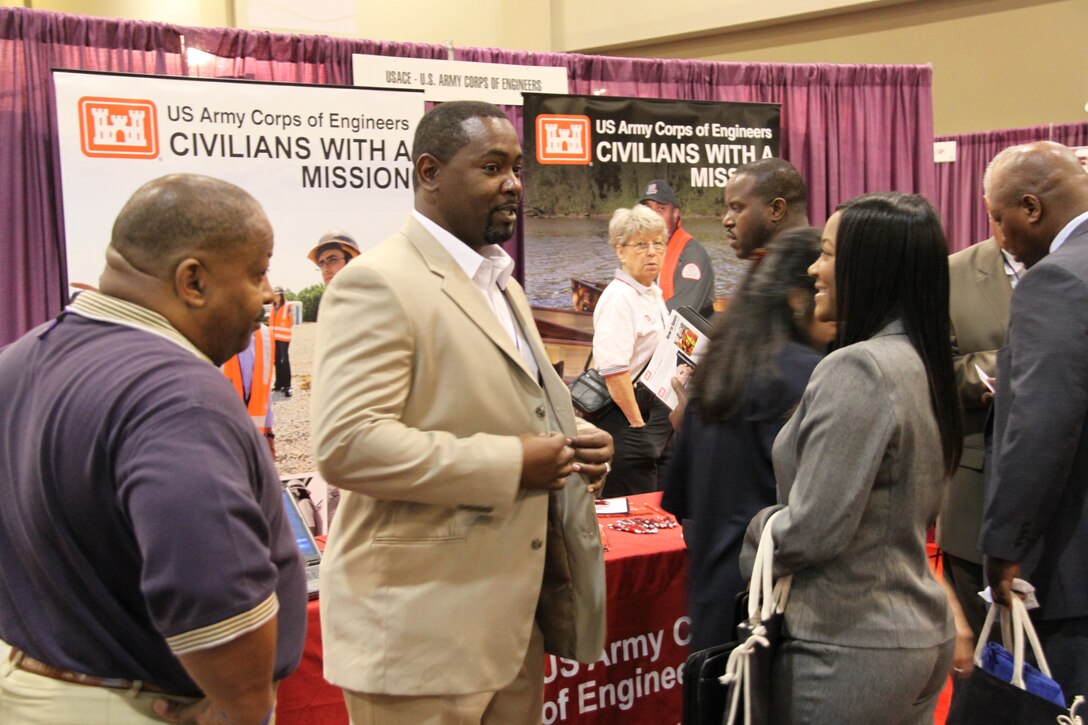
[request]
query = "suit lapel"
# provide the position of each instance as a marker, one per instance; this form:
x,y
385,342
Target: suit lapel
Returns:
x,y
462,291
992,280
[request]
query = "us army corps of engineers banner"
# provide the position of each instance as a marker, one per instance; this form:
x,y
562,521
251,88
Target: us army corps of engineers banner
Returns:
x,y
315,157
586,156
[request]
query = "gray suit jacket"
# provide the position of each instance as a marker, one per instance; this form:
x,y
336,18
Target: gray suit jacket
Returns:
x,y
979,312
1037,491
860,469
437,561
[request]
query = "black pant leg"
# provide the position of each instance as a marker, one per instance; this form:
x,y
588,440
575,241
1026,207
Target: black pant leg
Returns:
x,y
283,365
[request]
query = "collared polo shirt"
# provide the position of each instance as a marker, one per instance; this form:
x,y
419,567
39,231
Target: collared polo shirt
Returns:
x,y
628,323
143,517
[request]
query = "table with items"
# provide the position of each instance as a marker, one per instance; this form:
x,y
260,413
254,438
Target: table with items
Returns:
x,y
638,676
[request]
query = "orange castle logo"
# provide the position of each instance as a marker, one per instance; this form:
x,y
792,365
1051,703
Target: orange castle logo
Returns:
x,y
563,139
118,128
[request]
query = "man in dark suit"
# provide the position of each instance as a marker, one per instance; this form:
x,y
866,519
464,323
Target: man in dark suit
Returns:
x,y
1035,521
981,280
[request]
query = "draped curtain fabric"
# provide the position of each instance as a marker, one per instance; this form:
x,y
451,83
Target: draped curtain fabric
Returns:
x,y
32,280
959,184
848,129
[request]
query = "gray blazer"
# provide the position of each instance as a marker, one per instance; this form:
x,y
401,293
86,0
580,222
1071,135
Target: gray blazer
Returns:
x,y
978,308
860,469
1037,491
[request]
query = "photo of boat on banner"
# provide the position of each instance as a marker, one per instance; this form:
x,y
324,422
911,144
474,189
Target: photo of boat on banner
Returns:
x,y
586,156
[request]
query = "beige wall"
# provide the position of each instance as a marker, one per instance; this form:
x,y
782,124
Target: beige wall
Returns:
x,y
996,63
581,25
209,13
510,24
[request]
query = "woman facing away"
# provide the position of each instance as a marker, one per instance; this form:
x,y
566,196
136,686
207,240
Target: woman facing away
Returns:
x,y
869,632
762,351
628,323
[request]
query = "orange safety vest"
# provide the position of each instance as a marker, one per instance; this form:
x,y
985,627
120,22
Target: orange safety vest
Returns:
x,y
261,384
673,250
281,323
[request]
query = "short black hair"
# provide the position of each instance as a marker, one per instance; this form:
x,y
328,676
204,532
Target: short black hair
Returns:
x,y
891,262
170,218
777,178
440,132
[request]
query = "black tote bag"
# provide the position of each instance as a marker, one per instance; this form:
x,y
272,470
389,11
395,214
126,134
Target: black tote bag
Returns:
x,y
733,680
985,699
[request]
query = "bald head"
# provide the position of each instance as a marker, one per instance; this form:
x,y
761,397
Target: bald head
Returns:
x,y
178,216
1032,192
195,250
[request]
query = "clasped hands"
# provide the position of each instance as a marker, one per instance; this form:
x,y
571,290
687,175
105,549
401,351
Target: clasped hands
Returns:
x,y
549,458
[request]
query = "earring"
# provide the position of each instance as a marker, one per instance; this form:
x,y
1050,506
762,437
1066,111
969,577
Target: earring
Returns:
x,y
798,315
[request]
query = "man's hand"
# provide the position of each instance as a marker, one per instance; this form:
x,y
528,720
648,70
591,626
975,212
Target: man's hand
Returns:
x,y
676,417
546,460
999,574
593,457
236,678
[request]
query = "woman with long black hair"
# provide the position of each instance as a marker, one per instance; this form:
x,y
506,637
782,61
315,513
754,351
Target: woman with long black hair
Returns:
x,y
861,467
762,351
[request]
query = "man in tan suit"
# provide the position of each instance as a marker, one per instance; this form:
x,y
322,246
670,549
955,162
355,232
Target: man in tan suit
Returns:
x,y
981,279
466,542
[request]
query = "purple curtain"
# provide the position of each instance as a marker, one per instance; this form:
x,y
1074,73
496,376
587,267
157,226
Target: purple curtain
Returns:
x,y
959,184
32,278
848,129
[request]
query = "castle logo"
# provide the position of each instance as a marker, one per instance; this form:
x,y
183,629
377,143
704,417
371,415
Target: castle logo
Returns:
x,y
118,128
563,139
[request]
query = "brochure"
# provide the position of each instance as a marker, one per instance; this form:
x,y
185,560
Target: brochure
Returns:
x,y
687,336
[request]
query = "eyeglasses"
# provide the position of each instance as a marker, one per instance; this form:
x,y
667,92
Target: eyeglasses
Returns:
x,y
331,261
643,247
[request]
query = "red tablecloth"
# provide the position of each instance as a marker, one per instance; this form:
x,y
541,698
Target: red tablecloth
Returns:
x,y
637,680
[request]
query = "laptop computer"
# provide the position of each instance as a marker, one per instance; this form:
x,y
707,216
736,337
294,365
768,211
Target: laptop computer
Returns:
x,y
306,543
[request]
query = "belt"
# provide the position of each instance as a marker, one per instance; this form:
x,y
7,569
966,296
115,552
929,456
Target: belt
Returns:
x,y
22,661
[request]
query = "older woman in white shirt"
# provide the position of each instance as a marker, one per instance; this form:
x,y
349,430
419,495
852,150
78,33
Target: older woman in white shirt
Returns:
x,y
629,321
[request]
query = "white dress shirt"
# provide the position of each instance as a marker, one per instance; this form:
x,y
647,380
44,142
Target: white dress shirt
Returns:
x,y
490,269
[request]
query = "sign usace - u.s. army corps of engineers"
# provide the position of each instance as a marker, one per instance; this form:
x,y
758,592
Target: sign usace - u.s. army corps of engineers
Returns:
x,y
457,80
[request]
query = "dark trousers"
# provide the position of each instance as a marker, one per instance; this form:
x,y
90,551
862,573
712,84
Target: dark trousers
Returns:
x,y
1065,644
283,366
641,453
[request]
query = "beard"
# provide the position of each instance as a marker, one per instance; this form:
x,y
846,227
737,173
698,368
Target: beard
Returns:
x,y
493,234
757,238
497,235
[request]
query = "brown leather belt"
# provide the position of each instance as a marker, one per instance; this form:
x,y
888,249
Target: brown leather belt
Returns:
x,y
22,661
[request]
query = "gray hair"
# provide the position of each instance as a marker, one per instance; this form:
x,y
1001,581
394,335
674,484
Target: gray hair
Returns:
x,y
996,161
626,223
